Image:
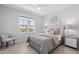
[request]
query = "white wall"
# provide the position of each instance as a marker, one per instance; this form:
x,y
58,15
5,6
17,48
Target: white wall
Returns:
x,y
1,20
69,15
10,22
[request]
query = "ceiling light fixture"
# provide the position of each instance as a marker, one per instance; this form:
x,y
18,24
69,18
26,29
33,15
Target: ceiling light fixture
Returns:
x,y
38,8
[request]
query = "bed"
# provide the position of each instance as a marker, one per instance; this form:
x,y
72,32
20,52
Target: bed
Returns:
x,y
43,43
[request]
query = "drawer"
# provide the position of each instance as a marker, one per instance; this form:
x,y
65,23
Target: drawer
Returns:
x,y
71,42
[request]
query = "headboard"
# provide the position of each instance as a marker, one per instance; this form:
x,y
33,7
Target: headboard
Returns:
x,y
54,31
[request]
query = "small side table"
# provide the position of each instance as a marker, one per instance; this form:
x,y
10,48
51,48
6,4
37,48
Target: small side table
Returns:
x,y
72,42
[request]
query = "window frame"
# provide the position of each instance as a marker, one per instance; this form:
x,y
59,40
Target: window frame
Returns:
x,y
27,25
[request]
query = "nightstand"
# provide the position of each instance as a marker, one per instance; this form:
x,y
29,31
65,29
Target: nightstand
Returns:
x,y
72,42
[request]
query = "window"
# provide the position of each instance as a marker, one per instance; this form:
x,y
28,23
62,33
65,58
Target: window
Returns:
x,y
26,24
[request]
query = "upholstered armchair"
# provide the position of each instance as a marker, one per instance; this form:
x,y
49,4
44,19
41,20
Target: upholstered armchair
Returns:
x,y
5,39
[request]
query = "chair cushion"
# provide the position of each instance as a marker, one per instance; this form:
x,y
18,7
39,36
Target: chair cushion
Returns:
x,y
9,39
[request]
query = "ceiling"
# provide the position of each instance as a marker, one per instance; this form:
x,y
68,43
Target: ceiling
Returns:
x,y
40,9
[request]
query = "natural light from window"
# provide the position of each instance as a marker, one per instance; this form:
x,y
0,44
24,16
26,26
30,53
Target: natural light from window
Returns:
x,y
26,24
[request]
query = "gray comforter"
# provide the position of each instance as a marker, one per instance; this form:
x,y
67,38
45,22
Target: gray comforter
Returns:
x,y
43,43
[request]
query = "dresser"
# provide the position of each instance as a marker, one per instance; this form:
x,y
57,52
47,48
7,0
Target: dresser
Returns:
x,y
72,42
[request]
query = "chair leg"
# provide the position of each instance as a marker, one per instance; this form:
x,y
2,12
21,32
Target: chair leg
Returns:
x,y
14,41
1,44
7,43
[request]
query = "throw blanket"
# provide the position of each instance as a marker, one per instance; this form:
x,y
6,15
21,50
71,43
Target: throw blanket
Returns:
x,y
43,44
